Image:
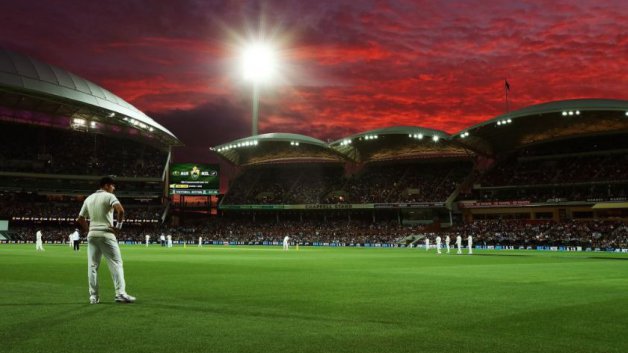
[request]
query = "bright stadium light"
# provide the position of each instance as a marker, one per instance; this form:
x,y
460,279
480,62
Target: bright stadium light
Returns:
x,y
258,66
258,62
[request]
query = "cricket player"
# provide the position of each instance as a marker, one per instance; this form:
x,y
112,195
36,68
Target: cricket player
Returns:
x,y
169,240
39,245
76,239
447,240
200,242
286,245
147,240
427,243
459,244
470,244
438,244
162,239
101,239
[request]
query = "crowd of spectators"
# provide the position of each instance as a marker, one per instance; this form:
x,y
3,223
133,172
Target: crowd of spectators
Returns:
x,y
558,193
586,234
30,206
283,184
32,149
414,182
377,183
559,170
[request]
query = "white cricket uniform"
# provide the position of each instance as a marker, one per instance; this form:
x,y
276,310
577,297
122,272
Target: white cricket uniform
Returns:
x,y
286,245
39,244
169,240
98,208
75,237
470,244
459,244
147,240
447,240
438,243
200,242
427,243
162,240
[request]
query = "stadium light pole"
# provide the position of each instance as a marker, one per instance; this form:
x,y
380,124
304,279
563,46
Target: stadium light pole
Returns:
x,y
258,67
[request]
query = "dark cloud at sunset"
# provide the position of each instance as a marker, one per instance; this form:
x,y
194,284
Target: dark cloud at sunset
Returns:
x,y
347,66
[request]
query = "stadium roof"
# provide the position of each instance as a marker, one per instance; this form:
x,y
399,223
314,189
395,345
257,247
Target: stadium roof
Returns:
x,y
24,79
276,147
546,122
399,142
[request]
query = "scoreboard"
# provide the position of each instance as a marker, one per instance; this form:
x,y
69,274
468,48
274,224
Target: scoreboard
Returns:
x,y
194,179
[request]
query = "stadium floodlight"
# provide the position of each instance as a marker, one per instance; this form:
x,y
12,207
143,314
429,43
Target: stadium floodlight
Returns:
x,y
435,138
258,66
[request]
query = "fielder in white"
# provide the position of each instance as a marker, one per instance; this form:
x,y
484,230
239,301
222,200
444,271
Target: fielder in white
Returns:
x,y
447,240
39,244
438,242
76,240
101,239
427,243
286,245
470,244
147,240
169,240
200,242
459,244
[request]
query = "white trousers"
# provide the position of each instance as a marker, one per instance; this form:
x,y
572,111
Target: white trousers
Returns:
x,y
448,248
459,249
470,249
39,246
285,245
438,248
100,245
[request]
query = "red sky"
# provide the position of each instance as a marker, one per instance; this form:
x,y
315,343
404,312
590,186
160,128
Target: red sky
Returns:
x,y
347,66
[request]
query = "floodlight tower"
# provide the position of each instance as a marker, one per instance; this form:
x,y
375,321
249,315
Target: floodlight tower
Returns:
x,y
258,64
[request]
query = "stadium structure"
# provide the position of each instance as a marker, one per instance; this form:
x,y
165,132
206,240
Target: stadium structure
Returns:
x,y
61,133
554,162
559,160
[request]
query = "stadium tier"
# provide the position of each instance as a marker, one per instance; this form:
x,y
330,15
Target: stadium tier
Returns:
x,y
60,133
557,160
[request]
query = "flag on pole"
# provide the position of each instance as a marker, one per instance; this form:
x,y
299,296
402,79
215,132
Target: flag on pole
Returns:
x,y
507,85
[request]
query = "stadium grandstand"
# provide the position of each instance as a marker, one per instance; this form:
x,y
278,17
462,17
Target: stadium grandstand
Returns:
x,y
546,174
60,134
549,167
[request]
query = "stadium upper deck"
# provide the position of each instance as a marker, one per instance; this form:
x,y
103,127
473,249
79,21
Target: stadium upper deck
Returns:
x,y
535,124
37,93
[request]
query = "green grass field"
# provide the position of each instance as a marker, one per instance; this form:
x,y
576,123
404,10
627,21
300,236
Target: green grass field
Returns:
x,y
261,299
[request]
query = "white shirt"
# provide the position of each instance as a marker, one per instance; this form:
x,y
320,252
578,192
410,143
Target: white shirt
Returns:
x,y
470,240
162,237
169,237
447,240
38,235
75,236
286,238
438,240
147,237
98,207
458,240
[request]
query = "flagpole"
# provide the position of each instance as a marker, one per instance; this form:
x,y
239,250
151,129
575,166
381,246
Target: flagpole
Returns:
x,y
507,89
